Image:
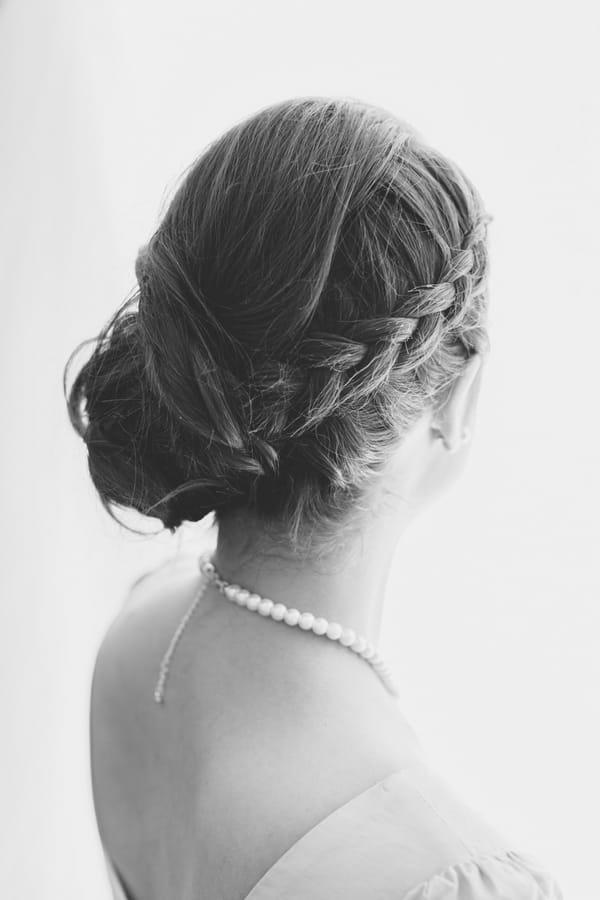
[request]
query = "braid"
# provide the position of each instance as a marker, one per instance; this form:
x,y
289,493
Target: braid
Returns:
x,y
332,371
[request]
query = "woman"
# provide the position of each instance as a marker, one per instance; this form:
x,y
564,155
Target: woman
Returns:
x,y
303,361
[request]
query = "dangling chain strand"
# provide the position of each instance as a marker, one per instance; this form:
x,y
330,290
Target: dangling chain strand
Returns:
x,y
347,637
164,666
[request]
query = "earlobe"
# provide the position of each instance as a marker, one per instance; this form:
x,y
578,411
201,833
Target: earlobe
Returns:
x,y
465,438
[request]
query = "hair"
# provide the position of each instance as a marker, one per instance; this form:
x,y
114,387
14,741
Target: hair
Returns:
x,y
317,281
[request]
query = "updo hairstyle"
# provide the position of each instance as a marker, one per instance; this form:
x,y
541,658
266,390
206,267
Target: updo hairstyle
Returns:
x,y
317,282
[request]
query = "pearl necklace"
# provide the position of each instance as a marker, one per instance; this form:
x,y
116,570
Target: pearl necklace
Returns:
x,y
347,637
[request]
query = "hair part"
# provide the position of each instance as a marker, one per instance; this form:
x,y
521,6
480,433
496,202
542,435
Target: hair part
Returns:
x,y
317,282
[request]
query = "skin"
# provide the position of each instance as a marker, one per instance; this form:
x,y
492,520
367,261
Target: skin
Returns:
x,y
349,586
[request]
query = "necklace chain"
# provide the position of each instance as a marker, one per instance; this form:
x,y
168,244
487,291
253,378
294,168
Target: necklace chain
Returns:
x,y
347,637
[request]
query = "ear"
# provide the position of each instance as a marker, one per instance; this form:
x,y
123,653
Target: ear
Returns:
x,y
458,411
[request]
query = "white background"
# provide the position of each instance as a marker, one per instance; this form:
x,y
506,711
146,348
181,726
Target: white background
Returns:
x,y
493,615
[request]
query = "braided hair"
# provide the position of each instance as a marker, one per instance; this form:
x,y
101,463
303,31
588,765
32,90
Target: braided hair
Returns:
x,y
317,282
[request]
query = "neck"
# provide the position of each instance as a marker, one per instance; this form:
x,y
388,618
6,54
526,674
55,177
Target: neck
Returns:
x,y
348,586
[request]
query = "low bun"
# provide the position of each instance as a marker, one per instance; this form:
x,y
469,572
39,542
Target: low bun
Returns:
x,y
128,440
142,452
317,281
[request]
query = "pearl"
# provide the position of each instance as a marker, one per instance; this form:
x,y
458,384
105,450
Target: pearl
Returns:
x,y
358,645
347,637
278,611
291,616
334,630
253,601
265,606
319,626
306,621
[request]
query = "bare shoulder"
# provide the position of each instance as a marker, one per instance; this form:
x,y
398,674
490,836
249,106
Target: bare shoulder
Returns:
x,y
246,678
125,672
156,600
286,729
127,663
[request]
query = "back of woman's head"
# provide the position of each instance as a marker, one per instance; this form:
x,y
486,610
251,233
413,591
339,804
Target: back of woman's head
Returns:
x,y
316,283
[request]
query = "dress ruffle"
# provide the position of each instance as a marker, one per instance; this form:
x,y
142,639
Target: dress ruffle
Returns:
x,y
510,875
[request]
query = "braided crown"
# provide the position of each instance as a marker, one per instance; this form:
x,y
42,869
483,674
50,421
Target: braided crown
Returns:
x,y
334,369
